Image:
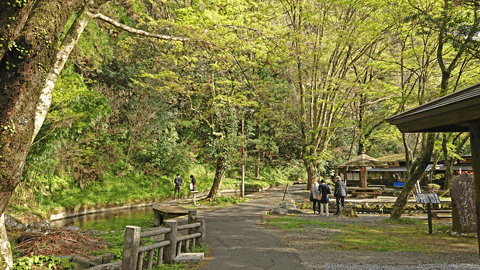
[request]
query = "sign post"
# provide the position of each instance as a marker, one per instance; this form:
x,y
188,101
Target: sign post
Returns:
x,y
428,199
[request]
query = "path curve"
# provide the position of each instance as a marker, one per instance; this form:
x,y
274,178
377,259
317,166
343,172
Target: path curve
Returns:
x,y
237,241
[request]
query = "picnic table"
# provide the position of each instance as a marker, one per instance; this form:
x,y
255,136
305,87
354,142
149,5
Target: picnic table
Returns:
x,y
163,211
375,191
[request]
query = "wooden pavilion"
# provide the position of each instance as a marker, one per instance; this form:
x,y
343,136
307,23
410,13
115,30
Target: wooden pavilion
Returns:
x,y
355,169
456,112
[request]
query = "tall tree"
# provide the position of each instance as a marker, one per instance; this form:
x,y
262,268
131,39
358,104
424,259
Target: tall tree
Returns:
x,y
33,51
327,41
448,29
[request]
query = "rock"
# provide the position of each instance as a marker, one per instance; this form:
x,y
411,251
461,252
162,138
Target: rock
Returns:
x,y
464,217
91,232
108,266
104,259
11,224
278,211
189,257
70,228
286,207
35,227
347,212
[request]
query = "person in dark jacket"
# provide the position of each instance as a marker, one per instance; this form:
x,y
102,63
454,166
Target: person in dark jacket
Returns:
x,y
324,189
193,183
340,193
178,185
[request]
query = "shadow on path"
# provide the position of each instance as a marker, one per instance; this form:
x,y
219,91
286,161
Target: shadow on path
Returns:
x,y
236,241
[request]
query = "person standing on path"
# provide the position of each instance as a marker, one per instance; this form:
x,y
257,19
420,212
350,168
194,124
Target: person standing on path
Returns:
x,y
340,193
324,189
314,195
193,182
178,185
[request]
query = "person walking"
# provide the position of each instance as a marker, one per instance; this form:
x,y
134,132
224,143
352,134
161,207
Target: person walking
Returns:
x,y
178,185
193,183
340,193
314,193
324,189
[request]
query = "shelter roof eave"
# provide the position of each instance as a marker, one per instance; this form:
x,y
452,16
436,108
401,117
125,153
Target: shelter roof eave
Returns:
x,y
451,113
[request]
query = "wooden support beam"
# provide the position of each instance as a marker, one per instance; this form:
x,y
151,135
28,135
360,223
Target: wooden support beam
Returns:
x,y
475,148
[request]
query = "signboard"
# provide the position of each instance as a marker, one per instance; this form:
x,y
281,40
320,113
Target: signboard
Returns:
x,y
425,198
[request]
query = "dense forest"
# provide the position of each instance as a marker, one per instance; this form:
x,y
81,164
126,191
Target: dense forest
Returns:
x,y
138,91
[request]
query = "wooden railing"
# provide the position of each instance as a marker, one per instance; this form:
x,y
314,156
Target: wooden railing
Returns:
x,y
174,238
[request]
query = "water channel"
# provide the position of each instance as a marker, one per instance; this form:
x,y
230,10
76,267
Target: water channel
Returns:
x,y
110,220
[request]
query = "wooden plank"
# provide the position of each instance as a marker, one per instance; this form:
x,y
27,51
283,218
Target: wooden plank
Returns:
x,y
169,209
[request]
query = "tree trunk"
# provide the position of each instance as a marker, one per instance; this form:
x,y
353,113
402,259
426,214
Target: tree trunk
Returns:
x,y
24,92
28,71
417,170
257,164
311,173
6,260
217,182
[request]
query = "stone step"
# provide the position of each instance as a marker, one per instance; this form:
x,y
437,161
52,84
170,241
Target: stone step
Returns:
x,y
189,257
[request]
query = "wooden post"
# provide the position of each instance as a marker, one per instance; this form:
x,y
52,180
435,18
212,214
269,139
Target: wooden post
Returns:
x,y
194,193
192,214
285,192
160,256
363,177
131,243
140,261
202,229
429,213
157,218
150,258
171,250
475,148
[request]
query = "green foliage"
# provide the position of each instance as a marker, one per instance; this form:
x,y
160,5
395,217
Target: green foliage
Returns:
x,y
43,262
115,241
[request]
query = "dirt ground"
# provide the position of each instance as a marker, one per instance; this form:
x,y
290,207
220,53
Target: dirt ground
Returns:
x,y
315,248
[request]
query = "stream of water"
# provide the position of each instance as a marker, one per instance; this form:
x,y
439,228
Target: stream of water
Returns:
x,y
110,220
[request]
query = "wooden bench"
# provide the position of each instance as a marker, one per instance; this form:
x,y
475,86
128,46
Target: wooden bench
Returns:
x,y
162,211
375,191
378,186
436,212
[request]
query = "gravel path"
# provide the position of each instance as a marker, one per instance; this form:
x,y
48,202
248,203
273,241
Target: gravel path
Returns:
x,y
306,244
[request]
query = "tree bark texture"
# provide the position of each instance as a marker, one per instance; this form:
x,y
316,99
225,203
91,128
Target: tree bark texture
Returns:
x,y
417,170
29,54
217,182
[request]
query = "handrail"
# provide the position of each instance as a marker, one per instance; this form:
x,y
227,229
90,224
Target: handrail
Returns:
x,y
154,246
189,226
154,232
168,248
190,236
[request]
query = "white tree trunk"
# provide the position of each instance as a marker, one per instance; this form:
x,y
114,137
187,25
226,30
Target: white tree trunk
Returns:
x,y
66,48
6,259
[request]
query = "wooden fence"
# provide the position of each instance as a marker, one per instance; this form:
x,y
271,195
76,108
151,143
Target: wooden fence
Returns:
x,y
176,238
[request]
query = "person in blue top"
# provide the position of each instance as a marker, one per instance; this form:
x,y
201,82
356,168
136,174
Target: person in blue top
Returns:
x,y
324,190
178,184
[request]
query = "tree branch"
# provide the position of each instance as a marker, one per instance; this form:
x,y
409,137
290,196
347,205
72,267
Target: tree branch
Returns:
x,y
137,31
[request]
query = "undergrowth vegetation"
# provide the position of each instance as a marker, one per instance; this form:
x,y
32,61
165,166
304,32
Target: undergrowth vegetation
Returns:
x,y
56,194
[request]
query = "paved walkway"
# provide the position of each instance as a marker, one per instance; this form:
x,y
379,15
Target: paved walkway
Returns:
x,y
236,242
